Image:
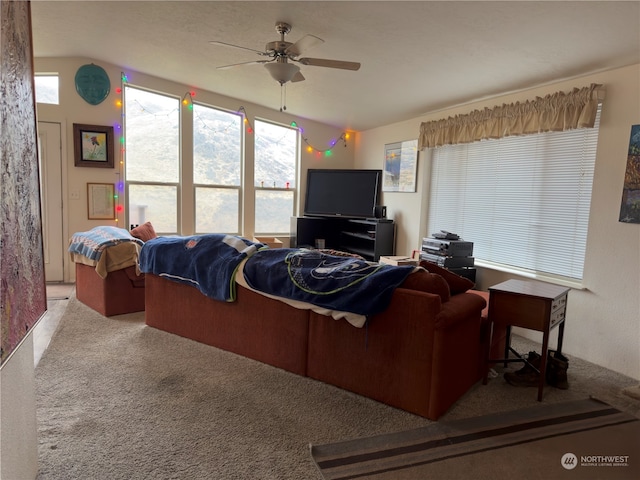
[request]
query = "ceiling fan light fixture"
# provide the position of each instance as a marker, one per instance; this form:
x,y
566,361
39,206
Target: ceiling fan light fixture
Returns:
x,y
282,72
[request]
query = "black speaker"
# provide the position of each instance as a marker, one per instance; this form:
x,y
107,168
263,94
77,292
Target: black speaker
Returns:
x,y
380,211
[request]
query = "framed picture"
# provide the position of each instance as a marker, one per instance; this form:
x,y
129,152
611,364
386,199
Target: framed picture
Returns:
x,y
93,146
101,201
400,166
630,205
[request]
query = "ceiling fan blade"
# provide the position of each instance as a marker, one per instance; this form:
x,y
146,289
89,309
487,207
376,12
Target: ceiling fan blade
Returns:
x,y
323,62
223,44
305,43
298,77
255,62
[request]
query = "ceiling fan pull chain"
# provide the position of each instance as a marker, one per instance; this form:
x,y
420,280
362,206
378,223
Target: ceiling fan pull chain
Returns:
x,y
283,97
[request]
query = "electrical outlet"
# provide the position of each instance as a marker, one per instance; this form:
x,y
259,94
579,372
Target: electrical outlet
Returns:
x,y
74,194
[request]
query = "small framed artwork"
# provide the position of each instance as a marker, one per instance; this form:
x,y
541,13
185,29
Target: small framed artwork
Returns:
x,y
400,166
93,146
101,201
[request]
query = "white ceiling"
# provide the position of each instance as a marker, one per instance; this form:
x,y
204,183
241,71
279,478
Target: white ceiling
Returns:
x,y
416,56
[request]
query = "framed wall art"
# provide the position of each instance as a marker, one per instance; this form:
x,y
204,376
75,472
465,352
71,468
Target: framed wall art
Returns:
x,y
630,205
400,166
101,201
93,146
23,298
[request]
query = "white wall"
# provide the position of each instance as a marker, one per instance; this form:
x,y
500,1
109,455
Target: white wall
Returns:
x,y
18,429
73,109
603,320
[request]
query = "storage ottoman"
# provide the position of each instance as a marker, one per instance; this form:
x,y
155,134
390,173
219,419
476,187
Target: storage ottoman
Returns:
x,y
122,291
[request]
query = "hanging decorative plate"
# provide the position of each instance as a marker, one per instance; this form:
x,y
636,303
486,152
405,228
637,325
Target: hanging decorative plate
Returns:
x,y
92,83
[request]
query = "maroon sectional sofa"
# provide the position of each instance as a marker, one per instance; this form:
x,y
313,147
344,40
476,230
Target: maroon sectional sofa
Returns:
x,y
420,355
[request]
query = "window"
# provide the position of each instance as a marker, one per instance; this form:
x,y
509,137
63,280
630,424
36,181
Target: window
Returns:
x,y
200,186
276,160
217,169
47,90
152,167
524,201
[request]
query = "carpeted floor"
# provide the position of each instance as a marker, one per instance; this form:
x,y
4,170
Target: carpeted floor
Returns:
x,y
119,400
556,438
59,291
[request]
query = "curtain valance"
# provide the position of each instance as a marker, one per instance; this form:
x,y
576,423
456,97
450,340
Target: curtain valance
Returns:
x,y
555,112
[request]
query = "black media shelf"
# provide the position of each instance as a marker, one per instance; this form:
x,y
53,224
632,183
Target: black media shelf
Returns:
x,y
369,238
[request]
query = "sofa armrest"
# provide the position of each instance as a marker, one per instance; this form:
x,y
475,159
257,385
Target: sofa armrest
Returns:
x,y
456,351
459,308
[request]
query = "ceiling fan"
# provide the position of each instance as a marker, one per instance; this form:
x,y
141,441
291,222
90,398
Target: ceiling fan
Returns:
x,y
281,52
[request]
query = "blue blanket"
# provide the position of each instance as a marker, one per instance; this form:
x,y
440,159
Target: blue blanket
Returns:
x,y
334,282
91,244
207,262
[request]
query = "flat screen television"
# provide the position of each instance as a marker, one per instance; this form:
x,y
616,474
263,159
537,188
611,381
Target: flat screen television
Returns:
x,y
342,193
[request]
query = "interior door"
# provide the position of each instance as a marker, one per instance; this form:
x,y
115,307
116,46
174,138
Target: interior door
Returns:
x,y
50,157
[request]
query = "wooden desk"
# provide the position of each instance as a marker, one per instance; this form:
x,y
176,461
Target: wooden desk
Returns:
x,y
527,304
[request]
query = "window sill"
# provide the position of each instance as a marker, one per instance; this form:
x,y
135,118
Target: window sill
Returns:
x,y
543,277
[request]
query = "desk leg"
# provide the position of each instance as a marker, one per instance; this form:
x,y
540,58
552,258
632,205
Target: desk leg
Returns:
x,y
560,336
507,345
543,364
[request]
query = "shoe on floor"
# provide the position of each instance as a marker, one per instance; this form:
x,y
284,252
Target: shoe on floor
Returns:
x,y
534,359
527,376
516,379
557,366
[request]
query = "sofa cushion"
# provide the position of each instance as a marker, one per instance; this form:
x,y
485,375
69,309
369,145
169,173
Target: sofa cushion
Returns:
x,y
457,284
144,232
427,282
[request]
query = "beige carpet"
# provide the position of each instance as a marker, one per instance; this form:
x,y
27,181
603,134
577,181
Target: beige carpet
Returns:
x,y
60,291
584,439
119,400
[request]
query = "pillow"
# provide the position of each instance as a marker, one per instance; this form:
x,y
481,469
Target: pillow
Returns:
x,y
144,232
424,281
457,284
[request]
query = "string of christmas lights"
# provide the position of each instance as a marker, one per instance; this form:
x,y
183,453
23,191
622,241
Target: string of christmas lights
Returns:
x,y
187,99
310,148
119,128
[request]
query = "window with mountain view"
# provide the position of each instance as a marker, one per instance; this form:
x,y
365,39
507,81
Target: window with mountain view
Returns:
x,y
163,175
217,169
152,167
276,160
47,88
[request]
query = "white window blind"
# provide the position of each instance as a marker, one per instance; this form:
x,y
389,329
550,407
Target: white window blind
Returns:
x,y
523,201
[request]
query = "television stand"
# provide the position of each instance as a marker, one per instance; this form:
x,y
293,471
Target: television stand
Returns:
x,y
369,238
380,220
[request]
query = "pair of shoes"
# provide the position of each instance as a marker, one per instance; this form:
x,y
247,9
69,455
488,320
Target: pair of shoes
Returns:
x,y
557,366
527,376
